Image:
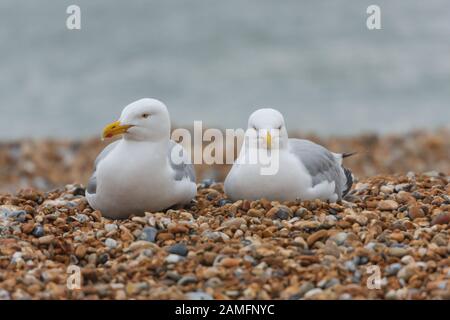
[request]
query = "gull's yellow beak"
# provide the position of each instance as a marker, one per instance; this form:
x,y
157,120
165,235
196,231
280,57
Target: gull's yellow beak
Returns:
x,y
114,129
269,140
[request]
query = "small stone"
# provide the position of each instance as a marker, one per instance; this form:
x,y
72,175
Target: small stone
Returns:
x,y
397,236
305,287
173,258
221,203
206,183
406,272
46,239
111,243
387,189
407,259
4,295
198,295
339,238
28,228
387,205
311,293
397,252
301,212
440,240
234,223
415,212
179,249
80,251
391,295
178,228
19,215
393,269
38,231
230,262
316,236
443,218
331,249
149,234
81,218
103,258
109,227
187,280
402,187
283,213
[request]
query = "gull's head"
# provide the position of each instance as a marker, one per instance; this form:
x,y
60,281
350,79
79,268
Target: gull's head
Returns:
x,y
145,119
267,126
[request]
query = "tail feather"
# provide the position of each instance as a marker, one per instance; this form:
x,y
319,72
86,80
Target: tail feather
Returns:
x,y
349,182
348,154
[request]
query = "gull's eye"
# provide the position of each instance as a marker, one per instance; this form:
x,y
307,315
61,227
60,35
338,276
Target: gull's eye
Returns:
x,y
279,128
145,115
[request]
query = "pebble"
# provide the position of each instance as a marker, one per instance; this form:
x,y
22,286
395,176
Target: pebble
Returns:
x,y
173,258
221,203
387,205
397,252
4,295
109,227
80,251
406,272
415,212
393,269
19,215
311,293
301,212
230,262
81,218
179,249
339,238
187,280
316,236
111,243
46,239
443,218
283,213
198,295
38,231
149,234
206,183
234,223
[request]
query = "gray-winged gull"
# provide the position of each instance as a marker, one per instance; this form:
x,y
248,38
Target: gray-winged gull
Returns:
x,y
305,170
143,171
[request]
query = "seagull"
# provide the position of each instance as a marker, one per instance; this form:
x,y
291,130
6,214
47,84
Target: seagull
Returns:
x,y
144,170
305,170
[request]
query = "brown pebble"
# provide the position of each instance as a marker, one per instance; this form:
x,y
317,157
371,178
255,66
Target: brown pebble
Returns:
x,y
163,236
80,251
316,236
230,262
387,205
27,228
178,228
443,218
415,212
46,239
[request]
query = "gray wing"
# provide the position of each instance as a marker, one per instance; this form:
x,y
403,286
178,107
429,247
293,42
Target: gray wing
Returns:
x,y
92,184
182,169
320,163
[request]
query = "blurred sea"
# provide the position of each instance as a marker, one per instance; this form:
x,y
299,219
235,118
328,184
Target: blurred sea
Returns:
x,y
217,61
